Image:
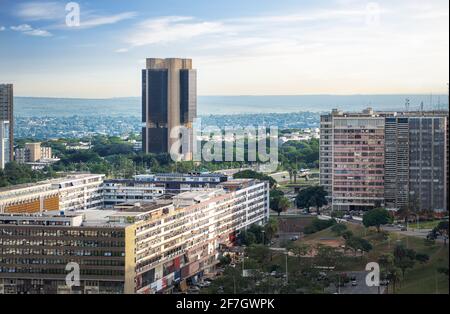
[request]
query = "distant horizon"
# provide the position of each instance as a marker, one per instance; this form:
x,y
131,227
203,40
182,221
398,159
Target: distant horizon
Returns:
x,y
250,95
230,105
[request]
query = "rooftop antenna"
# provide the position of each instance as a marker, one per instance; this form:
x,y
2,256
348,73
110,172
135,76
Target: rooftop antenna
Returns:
x,y
407,104
431,101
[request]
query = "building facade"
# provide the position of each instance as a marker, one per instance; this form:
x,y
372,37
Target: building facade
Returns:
x,y
136,248
145,188
35,250
7,121
169,100
4,144
417,159
33,152
73,192
391,159
352,157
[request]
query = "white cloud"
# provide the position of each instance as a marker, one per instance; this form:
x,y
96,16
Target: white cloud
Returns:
x,y
22,28
36,11
39,33
106,20
28,30
54,11
171,28
122,50
2,28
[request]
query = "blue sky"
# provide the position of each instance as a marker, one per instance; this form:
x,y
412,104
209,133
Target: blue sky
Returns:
x,y
240,47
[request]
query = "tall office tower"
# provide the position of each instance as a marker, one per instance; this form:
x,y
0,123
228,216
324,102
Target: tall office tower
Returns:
x,y
6,114
352,158
4,143
421,163
169,100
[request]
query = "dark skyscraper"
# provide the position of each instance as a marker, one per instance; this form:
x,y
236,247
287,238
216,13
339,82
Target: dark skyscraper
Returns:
x,y
169,100
7,117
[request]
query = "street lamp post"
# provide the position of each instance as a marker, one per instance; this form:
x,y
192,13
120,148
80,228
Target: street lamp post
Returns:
x,y
287,274
264,236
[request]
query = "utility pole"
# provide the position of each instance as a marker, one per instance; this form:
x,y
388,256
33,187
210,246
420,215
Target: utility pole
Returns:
x,y
287,278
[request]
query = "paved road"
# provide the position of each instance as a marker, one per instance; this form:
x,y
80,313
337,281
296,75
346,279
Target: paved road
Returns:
x,y
360,288
280,177
282,237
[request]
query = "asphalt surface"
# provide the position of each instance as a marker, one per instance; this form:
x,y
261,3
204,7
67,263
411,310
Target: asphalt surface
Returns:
x,y
282,237
360,288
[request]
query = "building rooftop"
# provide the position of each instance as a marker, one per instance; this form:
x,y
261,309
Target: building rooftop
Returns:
x,y
369,112
49,182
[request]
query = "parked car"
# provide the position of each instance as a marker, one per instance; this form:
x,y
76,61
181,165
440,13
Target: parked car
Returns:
x,y
203,284
193,290
402,228
354,283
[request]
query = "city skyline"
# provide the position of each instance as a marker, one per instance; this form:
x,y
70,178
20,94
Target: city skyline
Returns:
x,y
293,48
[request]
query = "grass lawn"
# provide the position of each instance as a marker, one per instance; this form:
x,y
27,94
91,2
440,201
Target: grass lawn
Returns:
x,y
425,225
422,278
425,278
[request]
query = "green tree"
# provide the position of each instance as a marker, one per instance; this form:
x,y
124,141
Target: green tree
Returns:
x,y
422,258
404,258
247,238
339,229
275,196
393,276
313,196
250,174
283,205
259,253
271,228
442,229
376,218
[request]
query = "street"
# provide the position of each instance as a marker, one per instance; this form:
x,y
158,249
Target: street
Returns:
x,y
360,288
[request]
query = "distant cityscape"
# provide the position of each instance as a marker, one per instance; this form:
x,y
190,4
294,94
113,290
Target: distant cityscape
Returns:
x,y
43,128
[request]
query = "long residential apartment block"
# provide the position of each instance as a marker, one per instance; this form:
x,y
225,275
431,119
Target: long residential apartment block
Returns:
x,y
391,159
146,247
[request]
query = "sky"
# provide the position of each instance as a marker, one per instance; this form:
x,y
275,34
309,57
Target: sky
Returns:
x,y
239,47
